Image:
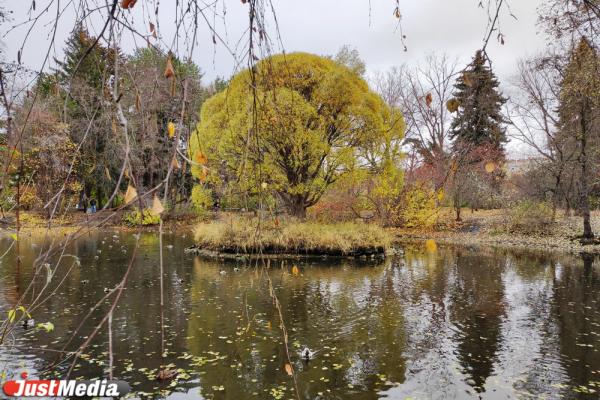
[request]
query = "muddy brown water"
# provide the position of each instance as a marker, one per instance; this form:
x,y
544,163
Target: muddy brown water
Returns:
x,y
459,323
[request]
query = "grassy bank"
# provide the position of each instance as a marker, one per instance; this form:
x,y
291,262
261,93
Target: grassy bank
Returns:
x,y
241,235
31,221
488,227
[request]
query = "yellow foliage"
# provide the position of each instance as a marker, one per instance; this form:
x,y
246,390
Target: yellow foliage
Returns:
x,y
201,198
418,208
315,120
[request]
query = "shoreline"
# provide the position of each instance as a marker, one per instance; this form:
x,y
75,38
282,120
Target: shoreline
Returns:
x,y
485,228
520,242
478,229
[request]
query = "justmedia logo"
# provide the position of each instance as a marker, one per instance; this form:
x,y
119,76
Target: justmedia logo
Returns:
x,y
65,388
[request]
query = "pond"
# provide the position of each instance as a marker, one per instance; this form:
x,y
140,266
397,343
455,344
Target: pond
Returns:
x,y
456,323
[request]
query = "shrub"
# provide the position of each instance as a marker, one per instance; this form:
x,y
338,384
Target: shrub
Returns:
x,y
530,217
144,218
29,199
417,208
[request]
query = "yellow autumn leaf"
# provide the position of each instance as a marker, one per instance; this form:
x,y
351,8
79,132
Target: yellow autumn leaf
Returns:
x,y
295,271
490,167
431,245
171,129
157,207
130,194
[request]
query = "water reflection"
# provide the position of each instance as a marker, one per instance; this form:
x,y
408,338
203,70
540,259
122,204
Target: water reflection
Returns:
x,y
457,323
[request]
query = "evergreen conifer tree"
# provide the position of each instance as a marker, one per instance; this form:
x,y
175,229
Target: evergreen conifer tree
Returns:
x,y
479,120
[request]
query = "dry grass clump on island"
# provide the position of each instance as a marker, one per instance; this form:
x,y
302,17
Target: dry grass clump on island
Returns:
x,y
240,235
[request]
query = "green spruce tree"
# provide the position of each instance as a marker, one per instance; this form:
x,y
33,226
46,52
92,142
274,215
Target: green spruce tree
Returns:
x,y
81,81
479,134
94,65
479,120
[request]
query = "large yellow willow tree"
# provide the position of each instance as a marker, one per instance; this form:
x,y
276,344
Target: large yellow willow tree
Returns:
x,y
294,126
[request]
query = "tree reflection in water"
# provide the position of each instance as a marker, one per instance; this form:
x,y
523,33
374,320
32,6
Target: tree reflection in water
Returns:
x,y
455,323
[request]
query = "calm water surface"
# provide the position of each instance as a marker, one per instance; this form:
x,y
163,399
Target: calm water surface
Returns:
x,y
459,323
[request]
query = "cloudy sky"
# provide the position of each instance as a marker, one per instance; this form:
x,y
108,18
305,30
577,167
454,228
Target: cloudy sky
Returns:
x,y
455,27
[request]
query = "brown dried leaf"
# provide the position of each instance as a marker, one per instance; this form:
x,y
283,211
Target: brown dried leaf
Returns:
x,y
428,99
157,207
467,79
175,163
169,71
288,369
200,158
130,194
128,3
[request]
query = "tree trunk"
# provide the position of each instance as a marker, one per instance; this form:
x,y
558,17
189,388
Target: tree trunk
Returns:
x,y
457,205
555,200
585,201
297,207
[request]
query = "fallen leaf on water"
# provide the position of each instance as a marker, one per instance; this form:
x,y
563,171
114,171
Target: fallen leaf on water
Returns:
x,y
289,370
295,271
165,374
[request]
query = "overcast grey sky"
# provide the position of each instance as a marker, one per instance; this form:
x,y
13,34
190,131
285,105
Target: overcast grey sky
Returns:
x,y
455,27
323,26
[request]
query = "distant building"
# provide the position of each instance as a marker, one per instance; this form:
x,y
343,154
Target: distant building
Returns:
x,y
519,166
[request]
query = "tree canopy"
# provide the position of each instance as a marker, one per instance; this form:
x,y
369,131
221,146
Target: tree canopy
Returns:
x,y
309,121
